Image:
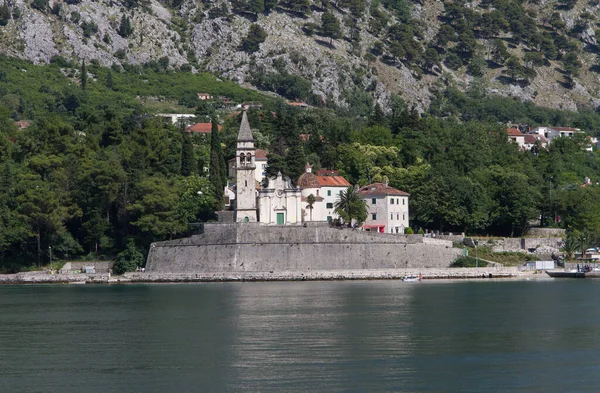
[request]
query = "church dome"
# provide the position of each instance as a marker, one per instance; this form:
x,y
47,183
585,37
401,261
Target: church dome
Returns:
x,y
308,180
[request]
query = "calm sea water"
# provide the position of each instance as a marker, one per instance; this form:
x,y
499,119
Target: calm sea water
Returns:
x,y
517,336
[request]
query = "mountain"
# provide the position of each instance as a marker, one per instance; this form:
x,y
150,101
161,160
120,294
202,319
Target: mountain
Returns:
x,y
346,53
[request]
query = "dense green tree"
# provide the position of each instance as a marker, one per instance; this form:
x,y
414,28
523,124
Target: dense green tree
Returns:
x,y
196,200
217,167
330,26
256,36
513,67
125,27
154,210
270,5
128,260
84,75
188,160
572,64
4,14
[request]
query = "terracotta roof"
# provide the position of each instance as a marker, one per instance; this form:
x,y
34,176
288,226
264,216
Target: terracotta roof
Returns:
x,y
513,132
380,189
332,181
531,138
260,154
308,180
202,128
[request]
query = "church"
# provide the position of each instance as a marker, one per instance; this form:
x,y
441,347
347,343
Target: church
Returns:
x,y
279,203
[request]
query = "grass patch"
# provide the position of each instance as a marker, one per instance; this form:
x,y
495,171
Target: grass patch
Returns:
x,y
507,258
468,262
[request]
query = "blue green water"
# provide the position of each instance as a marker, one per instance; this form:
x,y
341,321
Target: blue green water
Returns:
x,y
370,336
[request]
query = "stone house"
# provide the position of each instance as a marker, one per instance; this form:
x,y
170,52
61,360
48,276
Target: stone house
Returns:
x,y
514,134
387,208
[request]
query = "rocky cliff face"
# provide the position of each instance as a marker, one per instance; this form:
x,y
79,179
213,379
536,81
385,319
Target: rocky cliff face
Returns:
x,y
209,36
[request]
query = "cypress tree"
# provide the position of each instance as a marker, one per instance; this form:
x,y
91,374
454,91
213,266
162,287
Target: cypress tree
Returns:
x,y
216,165
188,163
83,75
109,80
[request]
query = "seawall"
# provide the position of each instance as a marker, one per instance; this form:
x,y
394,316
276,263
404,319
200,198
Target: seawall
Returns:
x,y
238,248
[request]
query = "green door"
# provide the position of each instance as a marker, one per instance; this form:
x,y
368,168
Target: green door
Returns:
x,y
280,219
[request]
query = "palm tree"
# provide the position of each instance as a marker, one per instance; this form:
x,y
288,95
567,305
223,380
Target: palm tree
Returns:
x,y
311,201
570,247
585,239
350,206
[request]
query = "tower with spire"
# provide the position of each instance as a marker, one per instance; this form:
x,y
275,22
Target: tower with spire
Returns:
x,y
245,166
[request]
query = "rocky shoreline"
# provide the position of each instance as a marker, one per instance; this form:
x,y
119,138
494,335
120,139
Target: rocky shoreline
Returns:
x,y
321,275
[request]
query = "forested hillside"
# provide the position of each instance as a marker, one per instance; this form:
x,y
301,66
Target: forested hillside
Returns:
x,y
348,53
95,173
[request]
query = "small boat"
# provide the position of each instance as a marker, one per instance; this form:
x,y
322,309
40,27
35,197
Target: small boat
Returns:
x,y
411,278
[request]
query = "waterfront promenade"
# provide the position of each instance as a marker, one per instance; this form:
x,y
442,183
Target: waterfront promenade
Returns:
x,y
317,275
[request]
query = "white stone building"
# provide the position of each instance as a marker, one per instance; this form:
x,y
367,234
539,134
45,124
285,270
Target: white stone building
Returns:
x,y
387,208
279,202
326,187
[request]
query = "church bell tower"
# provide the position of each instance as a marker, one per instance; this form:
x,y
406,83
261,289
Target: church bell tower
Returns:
x,y
245,210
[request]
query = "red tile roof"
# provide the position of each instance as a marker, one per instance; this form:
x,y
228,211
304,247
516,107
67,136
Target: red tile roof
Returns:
x,y
380,189
201,128
260,154
513,132
332,181
531,138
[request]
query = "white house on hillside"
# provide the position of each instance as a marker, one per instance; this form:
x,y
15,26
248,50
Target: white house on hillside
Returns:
x,y
387,208
555,132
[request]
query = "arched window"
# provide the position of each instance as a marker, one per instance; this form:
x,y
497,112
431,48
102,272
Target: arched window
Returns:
x,y
249,158
242,159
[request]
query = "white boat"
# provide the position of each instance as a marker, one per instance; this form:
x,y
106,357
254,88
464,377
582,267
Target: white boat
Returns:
x,y
411,278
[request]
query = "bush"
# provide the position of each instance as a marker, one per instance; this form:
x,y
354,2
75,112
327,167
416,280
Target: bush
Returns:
x,y
256,36
467,262
4,15
408,231
128,260
421,231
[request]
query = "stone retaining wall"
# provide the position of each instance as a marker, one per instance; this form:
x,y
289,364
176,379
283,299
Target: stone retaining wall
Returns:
x,y
101,267
255,248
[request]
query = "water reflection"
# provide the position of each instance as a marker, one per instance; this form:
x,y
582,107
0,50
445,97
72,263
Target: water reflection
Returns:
x,y
308,336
